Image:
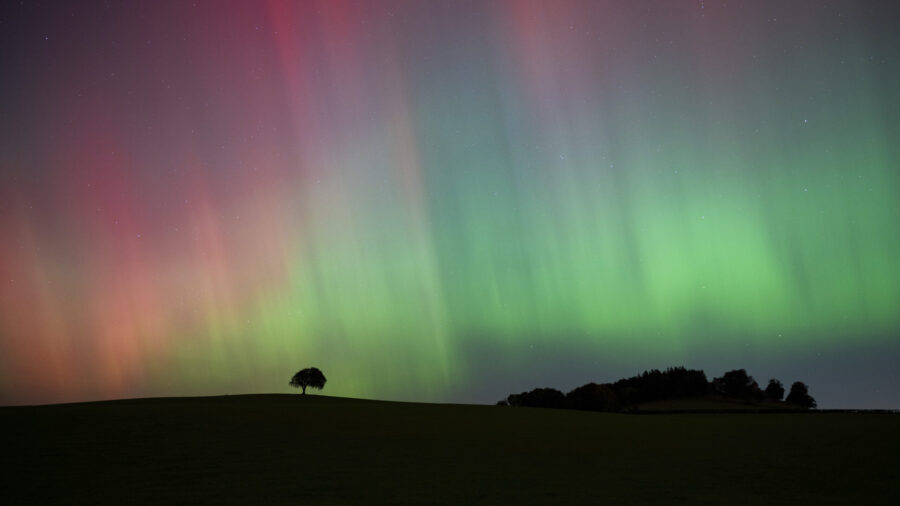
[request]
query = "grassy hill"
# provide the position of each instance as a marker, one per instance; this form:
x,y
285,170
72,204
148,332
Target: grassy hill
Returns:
x,y
288,449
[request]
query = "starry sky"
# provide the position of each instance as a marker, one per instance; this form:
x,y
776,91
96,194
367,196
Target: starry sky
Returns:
x,y
447,200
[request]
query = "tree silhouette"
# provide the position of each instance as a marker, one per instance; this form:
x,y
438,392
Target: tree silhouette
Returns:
x,y
538,398
309,377
738,383
799,396
593,397
654,385
775,390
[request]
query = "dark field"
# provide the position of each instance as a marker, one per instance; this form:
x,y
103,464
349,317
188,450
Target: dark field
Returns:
x,y
287,449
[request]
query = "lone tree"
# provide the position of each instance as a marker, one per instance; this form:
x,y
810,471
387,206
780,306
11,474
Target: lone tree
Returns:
x,y
309,377
799,396
775,390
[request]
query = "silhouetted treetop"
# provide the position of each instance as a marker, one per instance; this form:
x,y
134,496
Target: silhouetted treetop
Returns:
x,y
593,397
738,383
775,390
655,385
799,396
309,377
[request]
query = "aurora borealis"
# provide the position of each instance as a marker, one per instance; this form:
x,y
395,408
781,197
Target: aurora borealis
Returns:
x,y
447,200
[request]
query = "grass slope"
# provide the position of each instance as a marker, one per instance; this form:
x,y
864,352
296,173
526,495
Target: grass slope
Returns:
x,y
287,449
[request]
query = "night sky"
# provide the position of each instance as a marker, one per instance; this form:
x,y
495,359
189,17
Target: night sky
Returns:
x,y
448,200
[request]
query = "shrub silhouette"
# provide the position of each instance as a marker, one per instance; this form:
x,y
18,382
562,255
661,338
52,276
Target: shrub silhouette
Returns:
x,y
309,377
799,396
775,390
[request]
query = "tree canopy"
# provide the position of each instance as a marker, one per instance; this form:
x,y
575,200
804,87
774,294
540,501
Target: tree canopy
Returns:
x,y
738,383
309,377
799,396
775,390
656,385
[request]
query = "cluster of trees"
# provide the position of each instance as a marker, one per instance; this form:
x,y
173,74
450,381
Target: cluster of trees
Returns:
x,y
739,384
654,385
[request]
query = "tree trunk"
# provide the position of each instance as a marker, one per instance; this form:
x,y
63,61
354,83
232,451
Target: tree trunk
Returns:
x,y
304,389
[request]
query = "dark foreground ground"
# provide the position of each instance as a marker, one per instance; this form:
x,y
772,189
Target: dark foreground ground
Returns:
x,y
287,449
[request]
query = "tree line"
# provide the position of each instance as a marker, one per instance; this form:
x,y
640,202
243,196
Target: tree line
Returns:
x,y
656,385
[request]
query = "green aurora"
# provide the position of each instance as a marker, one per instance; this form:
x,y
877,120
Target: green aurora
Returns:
x,y
390,197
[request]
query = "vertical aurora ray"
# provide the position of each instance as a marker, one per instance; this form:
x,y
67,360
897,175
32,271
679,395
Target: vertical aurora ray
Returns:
x,y
420,197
